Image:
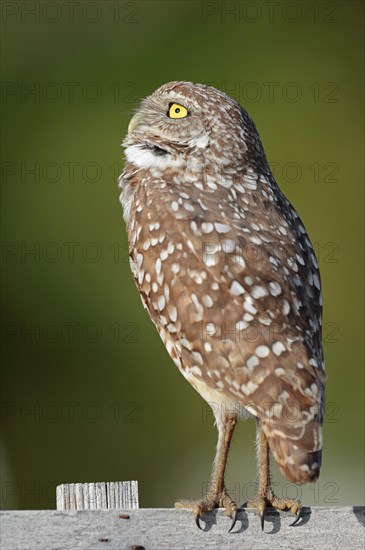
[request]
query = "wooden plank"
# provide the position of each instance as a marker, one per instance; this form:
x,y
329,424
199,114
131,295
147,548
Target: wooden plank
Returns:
x,y
109,495
164,529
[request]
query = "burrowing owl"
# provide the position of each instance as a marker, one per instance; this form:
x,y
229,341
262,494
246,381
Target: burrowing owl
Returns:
x,y
227,273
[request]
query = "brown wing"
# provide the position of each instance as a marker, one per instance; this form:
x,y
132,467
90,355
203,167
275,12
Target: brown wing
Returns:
x,y
236,297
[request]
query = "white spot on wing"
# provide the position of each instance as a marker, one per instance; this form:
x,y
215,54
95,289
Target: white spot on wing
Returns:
x,y
221,227
275,288
262,351
236,288
278,348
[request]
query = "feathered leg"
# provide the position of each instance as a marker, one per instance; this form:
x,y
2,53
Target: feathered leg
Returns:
x,y
217,496
265,496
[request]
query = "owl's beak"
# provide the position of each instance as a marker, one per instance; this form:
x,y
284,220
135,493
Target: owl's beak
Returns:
x,y
134,122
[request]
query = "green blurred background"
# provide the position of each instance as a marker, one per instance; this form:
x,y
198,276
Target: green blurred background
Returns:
x,y
88,391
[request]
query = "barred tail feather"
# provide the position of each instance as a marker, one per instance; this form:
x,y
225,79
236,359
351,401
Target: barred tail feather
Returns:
x,y
298,459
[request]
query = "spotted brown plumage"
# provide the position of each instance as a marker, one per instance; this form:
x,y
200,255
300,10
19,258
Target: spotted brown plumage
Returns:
x,y
228,275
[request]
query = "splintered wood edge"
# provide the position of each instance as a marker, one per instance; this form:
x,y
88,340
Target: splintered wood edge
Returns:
x,y
103,495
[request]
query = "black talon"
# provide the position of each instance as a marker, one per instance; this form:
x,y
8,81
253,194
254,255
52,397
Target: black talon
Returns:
x,y
234,520
262,518
197,522
299,515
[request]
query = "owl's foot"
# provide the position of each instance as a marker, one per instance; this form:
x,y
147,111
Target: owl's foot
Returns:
x,y
209,503
269,500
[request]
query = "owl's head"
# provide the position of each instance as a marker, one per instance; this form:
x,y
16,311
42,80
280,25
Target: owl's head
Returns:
x,y
182,123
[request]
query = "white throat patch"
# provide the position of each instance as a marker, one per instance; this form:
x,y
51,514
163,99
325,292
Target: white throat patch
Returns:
x,y
144,158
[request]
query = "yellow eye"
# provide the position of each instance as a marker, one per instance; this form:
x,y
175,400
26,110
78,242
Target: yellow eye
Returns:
x,y
177,111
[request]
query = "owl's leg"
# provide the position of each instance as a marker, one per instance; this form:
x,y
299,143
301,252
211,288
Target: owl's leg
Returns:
x,y
265,496
217,496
